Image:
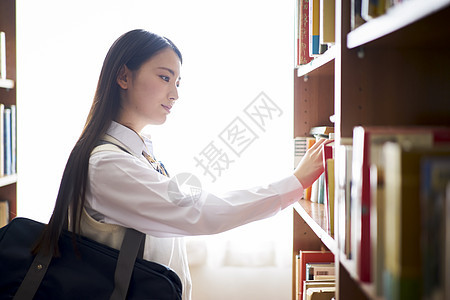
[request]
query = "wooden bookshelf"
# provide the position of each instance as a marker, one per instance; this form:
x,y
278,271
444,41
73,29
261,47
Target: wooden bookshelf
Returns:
x,y
396,18
8,184
390,71
314,216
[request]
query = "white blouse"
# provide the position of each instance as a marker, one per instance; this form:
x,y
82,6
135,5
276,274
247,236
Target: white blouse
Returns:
x,y
126,190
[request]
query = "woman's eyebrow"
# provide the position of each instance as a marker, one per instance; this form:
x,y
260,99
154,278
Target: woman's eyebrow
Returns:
x,y
169,70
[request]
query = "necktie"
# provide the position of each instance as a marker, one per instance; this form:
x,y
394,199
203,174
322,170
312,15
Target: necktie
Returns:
x,y
157,165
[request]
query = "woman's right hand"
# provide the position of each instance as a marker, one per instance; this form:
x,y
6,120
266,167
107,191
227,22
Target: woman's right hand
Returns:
x,y
311,166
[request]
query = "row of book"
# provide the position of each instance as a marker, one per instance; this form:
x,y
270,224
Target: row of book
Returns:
x,y
398,219
322,190
392,188
314,30
365,10
8,140
315,275
4,213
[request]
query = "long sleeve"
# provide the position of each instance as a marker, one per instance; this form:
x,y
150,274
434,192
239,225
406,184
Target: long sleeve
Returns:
x,y
126,191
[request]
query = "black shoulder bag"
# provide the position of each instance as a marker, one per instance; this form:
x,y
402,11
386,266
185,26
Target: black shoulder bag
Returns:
x,y
92,271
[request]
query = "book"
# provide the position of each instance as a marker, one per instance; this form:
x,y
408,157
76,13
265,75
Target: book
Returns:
x,y
320,293
327,22
314,27
367,146
403,228
308,190
320,271
344,175
356,19
2,55
330,190
447,244
321,131
4,213
434,176
372,8
321,189
311,257
315,190
2,139
297,276
328,162
377,226
300,147
303,56
13,139
7,141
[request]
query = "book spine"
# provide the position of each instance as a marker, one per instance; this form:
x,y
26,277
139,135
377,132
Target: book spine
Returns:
x,y
327,22
2,140
330,193
308,190
4,213
314,27
7,141
361,204
13,139
434,174
304,32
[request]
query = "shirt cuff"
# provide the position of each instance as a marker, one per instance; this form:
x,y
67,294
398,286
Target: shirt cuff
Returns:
x,y
289,189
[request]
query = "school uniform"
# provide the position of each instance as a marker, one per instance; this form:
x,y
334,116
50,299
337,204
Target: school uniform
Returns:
x,y
126,190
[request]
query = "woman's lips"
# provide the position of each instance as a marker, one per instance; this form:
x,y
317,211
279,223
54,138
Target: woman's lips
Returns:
x,y
167,107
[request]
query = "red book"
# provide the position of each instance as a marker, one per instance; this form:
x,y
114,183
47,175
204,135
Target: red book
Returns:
x,y
303,32
307,257
328,154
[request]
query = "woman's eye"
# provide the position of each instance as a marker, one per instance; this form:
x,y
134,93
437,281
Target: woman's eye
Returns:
x,y
165,78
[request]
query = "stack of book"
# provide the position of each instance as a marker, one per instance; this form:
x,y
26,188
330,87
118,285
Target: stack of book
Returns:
x,y
315,275
300,147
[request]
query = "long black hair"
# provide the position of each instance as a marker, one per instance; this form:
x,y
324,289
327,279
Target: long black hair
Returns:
x,y
132,49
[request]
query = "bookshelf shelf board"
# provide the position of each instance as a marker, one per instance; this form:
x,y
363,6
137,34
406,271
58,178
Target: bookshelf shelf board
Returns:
x,y
6,83
7,180
316,63
314,215
395,18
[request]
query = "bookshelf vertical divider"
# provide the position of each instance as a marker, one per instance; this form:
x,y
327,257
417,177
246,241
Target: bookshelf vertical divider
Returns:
x,y
390,71
8,184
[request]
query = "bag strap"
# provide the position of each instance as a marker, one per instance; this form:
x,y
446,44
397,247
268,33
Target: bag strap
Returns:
x,y
125,264
34,276
131,248
131,245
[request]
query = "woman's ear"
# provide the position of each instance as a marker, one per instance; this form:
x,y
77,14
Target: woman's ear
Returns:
x,y
123,77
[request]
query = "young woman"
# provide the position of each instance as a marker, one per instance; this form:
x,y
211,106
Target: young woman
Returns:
x,y
138,86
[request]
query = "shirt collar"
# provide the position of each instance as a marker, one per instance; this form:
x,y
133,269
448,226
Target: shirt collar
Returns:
x,y
130,138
